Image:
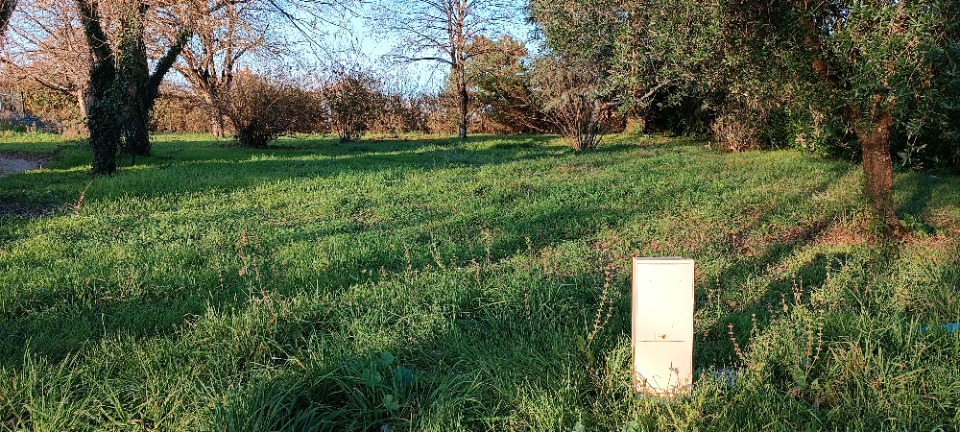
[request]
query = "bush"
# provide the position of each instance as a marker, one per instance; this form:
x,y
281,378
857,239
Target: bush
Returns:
x,y
570,96
739,128
352,102
262,109
178,110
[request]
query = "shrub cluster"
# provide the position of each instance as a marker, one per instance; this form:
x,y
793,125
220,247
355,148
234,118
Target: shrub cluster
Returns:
x,y
261,109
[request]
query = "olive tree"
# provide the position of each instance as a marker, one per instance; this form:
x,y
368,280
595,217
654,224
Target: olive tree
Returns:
x,y
882,65
883,70
572,81
571,100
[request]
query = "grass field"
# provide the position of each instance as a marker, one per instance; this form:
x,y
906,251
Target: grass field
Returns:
x,y
431,285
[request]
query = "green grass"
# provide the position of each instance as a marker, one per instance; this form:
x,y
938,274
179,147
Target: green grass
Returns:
x,y
431,285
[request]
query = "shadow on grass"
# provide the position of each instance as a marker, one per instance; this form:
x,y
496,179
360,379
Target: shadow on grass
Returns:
x,y
96,318
56,333
918,189
40,316
189,167
715,349
81,322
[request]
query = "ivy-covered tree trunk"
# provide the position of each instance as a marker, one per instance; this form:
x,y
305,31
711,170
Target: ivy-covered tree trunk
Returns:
x,y
874,136
103,118
463,101
6,10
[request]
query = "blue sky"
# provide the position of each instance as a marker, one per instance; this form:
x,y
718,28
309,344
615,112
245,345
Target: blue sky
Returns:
x,y
360,44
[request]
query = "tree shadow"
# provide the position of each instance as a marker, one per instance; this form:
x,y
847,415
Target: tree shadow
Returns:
x,y
542,225
68,326
714,348
491,337
194,167
918,189
99,313
473,366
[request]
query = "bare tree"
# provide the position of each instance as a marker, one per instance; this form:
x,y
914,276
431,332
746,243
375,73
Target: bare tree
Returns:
x,y
441,31
229,31
209,61
47,47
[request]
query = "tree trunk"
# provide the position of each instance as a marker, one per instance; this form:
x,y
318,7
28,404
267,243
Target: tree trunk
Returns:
x,y
136,131
142,87
103,117
137,115
6,10
462,102
105,103
874,137
217,127
83,102
211,99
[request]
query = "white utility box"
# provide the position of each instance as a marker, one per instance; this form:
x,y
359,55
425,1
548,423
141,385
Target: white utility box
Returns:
x,y
662,330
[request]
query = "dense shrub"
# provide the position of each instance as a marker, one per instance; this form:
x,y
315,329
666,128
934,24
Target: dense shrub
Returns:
x,y
261,109
740,127
352,101
570,96
400,114
177,110
56,111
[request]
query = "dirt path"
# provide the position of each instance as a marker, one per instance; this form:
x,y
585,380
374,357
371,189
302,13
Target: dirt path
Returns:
x,y
13,164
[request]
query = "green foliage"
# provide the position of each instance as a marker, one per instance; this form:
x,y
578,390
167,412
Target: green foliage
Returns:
x,y
762,74
664,51
500,87
570,94
579,31
212,288
57,110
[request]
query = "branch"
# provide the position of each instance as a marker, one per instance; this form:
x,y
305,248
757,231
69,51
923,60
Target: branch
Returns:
x,y
165,63
419,59
93,30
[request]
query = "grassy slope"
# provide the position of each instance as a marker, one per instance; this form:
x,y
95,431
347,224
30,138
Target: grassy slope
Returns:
x,y
439,286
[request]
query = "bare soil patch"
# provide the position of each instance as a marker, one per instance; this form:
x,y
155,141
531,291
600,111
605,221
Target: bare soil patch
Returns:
x,y
15,163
